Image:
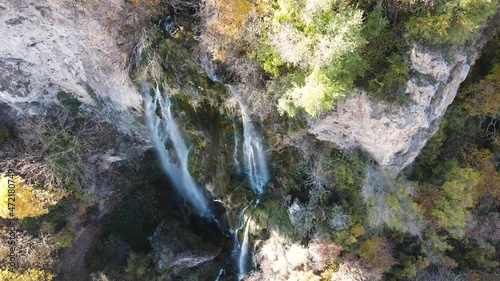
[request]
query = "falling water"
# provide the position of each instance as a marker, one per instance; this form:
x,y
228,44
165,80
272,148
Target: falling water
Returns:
x,y
256,169
235,149
243,256
253,151
164,128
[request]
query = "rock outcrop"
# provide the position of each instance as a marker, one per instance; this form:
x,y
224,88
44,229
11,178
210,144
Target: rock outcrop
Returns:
x,y
50,45
181,254
393,135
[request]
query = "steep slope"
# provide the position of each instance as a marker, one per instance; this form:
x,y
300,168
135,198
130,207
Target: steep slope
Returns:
x,y
393,135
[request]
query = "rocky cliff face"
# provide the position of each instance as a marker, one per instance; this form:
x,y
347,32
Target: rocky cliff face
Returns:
x,y
58,44
52,46
394,135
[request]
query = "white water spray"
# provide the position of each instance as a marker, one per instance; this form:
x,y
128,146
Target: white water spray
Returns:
x,y
243,257
253,150
162,129
236,146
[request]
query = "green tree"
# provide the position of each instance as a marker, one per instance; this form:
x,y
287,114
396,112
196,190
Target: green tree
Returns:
x,y
323,39
483,98
451,22
453,208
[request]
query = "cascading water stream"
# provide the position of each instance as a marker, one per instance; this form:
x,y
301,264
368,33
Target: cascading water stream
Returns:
x,y
255,163
163,128
243,256
236,145
255,166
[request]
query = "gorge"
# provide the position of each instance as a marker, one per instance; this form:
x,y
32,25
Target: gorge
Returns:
x,y
250,140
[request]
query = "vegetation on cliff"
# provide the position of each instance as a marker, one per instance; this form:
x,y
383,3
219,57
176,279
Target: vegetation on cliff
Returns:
x,y
324,208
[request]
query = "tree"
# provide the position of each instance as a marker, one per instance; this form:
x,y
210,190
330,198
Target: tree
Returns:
x,y
323,39
28,201
482,160
390,202
483,98
451,22
453,208
27,275
377,251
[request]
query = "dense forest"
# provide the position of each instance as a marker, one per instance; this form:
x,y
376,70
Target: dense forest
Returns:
x,y
324,207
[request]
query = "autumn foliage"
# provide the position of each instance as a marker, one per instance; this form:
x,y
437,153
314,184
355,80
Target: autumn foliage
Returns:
x,y
29,201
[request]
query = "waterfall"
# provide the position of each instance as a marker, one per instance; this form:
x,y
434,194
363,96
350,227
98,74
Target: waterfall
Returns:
x,y
163,128
253,150
255,167
235,149
243,256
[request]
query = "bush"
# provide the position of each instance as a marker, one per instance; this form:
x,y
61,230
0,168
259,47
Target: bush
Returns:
x,y
69,100
4,135
482,98
377,252
105,250
64,154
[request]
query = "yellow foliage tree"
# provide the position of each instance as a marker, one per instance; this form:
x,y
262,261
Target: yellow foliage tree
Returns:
x,y
482,160
28,275
377,252
28,201
483,98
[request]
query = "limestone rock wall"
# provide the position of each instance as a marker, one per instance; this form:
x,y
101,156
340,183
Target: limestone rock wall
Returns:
x,y
47,45
394,135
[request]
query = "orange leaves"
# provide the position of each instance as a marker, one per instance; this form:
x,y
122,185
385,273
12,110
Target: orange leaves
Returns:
x,y
231,15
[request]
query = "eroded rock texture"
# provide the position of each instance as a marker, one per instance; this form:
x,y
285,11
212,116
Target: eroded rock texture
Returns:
x,y
49,45
394,135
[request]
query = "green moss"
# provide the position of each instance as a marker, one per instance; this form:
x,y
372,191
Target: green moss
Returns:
x,y
271,215
422,79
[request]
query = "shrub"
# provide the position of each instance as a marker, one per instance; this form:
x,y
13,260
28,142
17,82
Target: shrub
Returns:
x,y
104,252
32,252
482,98
4,135
69,100
63,150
